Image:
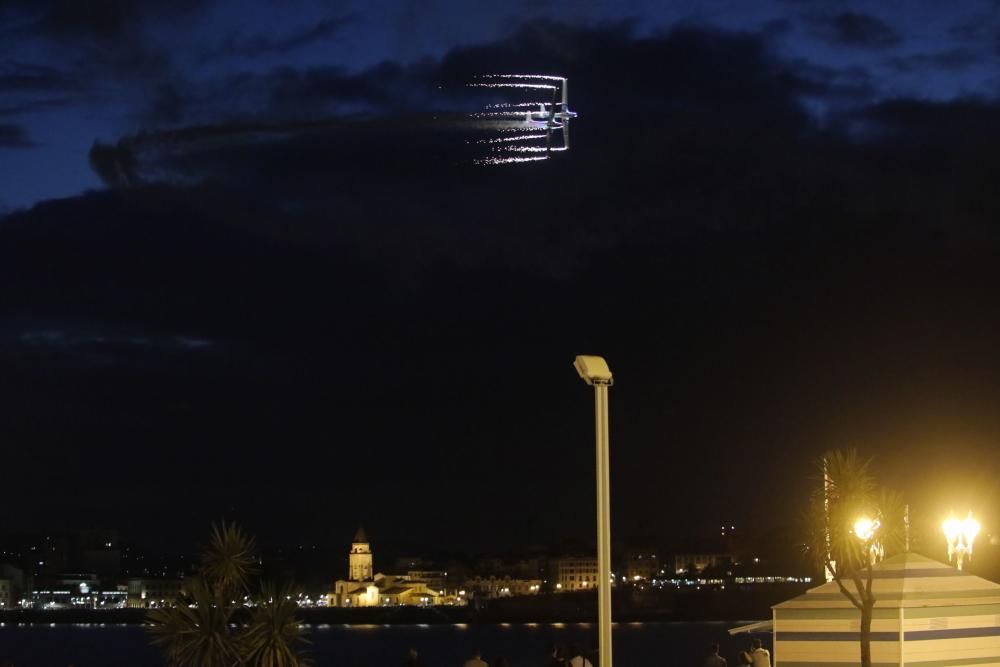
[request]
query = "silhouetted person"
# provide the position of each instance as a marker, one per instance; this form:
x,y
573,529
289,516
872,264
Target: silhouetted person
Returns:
x,y
714,659
557,657
501,662
412,660
577,660
476,660
761,656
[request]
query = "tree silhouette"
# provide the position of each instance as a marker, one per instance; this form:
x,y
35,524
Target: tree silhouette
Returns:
x,y
201,628
848,553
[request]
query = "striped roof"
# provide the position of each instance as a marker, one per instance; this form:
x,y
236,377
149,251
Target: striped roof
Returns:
x,y
906,580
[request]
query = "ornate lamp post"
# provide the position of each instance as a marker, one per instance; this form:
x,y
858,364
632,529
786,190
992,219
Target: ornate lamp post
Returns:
x,y
960,535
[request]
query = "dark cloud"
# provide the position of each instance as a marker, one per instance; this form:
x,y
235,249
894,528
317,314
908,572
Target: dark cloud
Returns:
x,y
14,136
955,124
19,77
101,20
979,28
777,27
35,106
856,29
102,40
952,59
253,46
310,124
832,84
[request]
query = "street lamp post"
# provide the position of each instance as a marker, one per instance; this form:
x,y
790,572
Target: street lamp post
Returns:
x,y
960,536
594,371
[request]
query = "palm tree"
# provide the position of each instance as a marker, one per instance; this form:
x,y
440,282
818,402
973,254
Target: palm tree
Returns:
x,y
274,630
200,629
195,631
228,561
848,493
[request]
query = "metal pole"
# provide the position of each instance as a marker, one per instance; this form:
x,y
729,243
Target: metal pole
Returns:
x,y
826,524
906,529
603,525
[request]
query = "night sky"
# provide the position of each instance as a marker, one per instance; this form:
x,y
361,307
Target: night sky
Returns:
x,y
248,267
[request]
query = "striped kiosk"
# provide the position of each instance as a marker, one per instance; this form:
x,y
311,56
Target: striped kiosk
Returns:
x,y
926,613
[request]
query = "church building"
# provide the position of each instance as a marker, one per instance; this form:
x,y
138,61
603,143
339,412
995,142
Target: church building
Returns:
x,y
366,588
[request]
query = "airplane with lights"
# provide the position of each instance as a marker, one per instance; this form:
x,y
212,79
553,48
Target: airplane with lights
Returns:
x,y
555,117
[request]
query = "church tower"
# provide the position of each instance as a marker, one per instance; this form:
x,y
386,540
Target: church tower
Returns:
x,y
360,558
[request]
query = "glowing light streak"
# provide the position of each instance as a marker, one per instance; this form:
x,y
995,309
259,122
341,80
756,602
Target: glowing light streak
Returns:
x,y
498,114
520,137
543,77
528,86
534,149
518,105
510,160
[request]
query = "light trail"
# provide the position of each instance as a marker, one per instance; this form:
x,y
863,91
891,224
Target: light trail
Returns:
x,y
535,149
520,137
543,77
527,86
510,160
498,114
519,105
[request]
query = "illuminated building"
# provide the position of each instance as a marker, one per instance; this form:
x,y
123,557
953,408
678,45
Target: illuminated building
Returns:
x,y
697,563
6,593
641,563
11,586
360,557
365,588
144,593
574,573
501,587
68,591
433,578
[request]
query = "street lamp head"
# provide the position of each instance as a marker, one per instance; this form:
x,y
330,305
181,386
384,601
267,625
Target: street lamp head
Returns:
x,y
970,528
592,370
952,528
960,536
864,528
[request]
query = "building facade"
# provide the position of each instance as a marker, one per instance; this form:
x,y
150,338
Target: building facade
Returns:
x,y
147,592
641,563
574,573
7,595
500,587
698,563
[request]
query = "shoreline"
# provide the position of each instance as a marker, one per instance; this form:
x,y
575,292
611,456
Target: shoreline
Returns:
x,y
689,607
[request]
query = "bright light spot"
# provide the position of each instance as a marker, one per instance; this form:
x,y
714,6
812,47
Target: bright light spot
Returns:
x,y
960,536
865,528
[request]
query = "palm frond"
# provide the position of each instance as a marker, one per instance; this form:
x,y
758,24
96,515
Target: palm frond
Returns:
x,y
228,561
274,635
195,632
